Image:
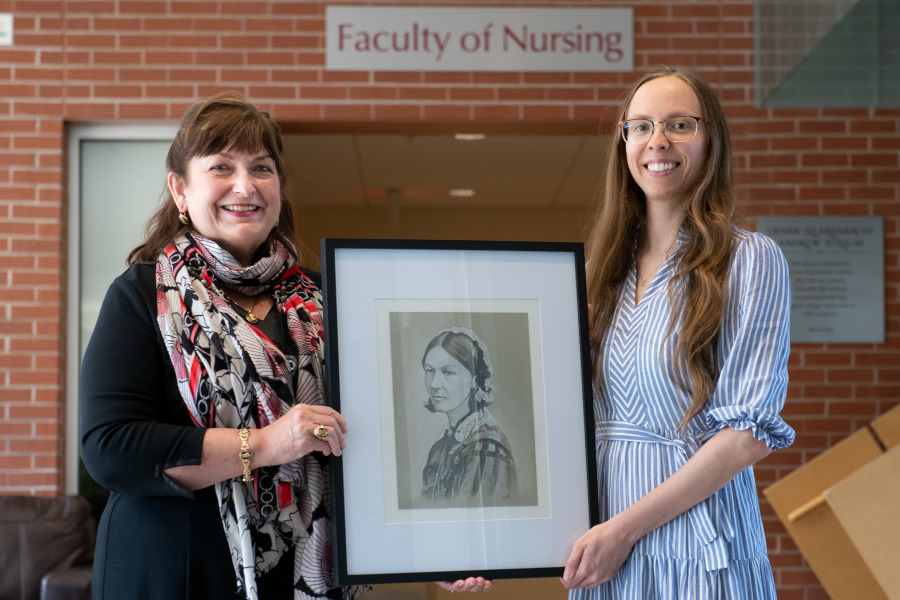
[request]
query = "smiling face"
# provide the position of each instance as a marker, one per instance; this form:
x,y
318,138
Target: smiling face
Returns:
x,y
232,197
664,170
448,382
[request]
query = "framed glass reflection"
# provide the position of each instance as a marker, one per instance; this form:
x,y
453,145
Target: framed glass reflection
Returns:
x,y
462,369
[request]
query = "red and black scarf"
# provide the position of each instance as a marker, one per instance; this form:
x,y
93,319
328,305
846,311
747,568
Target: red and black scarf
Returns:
x,y
230,375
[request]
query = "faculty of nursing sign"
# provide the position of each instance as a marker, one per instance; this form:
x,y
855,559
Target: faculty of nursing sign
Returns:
x,y
404,38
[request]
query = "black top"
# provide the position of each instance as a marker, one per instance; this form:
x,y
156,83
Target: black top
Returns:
x,y
156,539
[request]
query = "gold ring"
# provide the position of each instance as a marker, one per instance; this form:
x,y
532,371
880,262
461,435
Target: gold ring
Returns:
x,y
320,432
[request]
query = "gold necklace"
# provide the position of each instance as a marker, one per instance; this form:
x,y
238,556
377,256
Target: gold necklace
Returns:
x,y
649,276
250,318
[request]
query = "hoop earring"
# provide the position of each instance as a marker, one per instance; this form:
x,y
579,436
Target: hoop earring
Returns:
x,y
183,218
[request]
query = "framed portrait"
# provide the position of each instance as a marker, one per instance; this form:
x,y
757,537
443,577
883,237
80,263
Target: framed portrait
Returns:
x,y
462,369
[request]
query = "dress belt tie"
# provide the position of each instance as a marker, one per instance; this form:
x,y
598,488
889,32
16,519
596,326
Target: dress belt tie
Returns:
x,y
715,553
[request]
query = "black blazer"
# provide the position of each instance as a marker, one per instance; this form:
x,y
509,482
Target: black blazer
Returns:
x,y
156,539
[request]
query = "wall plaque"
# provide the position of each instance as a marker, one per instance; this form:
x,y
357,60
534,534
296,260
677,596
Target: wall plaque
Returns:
x,y
837,276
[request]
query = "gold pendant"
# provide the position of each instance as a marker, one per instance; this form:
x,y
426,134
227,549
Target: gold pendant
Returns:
x,y
251,318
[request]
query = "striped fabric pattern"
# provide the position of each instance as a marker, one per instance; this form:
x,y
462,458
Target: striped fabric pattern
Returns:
x,y
717,549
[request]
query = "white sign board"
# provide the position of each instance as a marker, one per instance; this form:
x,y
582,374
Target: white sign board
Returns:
x,y
837,276
407,38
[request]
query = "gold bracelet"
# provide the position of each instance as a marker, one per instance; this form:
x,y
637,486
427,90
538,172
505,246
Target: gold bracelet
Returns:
x,y
245,454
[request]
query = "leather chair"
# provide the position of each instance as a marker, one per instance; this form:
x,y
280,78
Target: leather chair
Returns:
x,y
46,548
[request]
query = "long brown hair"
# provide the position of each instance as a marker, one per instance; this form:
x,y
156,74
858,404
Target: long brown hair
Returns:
x,y
209,126
703,258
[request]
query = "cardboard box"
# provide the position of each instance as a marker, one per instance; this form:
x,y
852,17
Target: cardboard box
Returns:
x,y
887,428
866,504
842,509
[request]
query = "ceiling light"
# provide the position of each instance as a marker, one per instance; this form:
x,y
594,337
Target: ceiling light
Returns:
x,y
462,193
469,137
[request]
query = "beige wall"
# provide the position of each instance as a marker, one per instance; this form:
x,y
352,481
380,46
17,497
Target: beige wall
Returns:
x,y
545,225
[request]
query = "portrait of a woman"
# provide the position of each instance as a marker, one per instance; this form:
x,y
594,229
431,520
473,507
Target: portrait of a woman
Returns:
x,y
472,463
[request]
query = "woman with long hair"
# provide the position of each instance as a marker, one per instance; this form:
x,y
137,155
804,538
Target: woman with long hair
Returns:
x,y
690,341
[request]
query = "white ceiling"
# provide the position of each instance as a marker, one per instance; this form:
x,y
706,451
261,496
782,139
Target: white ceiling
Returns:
x,y
505,171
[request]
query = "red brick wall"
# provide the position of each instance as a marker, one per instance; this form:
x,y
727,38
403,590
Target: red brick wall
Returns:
x,y
107,60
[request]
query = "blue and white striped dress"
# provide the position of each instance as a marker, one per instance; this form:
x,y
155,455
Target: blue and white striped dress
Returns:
x,y
718,548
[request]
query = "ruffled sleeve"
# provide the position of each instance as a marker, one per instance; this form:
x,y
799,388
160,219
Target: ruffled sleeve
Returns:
x,y
754,344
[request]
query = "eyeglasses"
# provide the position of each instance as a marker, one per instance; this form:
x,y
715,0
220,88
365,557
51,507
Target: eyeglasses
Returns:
x,y
676,129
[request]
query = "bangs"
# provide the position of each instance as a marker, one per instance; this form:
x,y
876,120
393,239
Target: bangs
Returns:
x,y
219,125
242,135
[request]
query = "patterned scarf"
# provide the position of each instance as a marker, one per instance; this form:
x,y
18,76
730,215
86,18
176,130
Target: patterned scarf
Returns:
x,y
231,375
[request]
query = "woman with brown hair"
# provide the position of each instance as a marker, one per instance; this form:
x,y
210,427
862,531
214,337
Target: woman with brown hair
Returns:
x,y
690,341
203,409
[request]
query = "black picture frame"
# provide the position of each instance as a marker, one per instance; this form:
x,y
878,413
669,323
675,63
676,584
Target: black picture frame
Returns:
x,y
525,305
